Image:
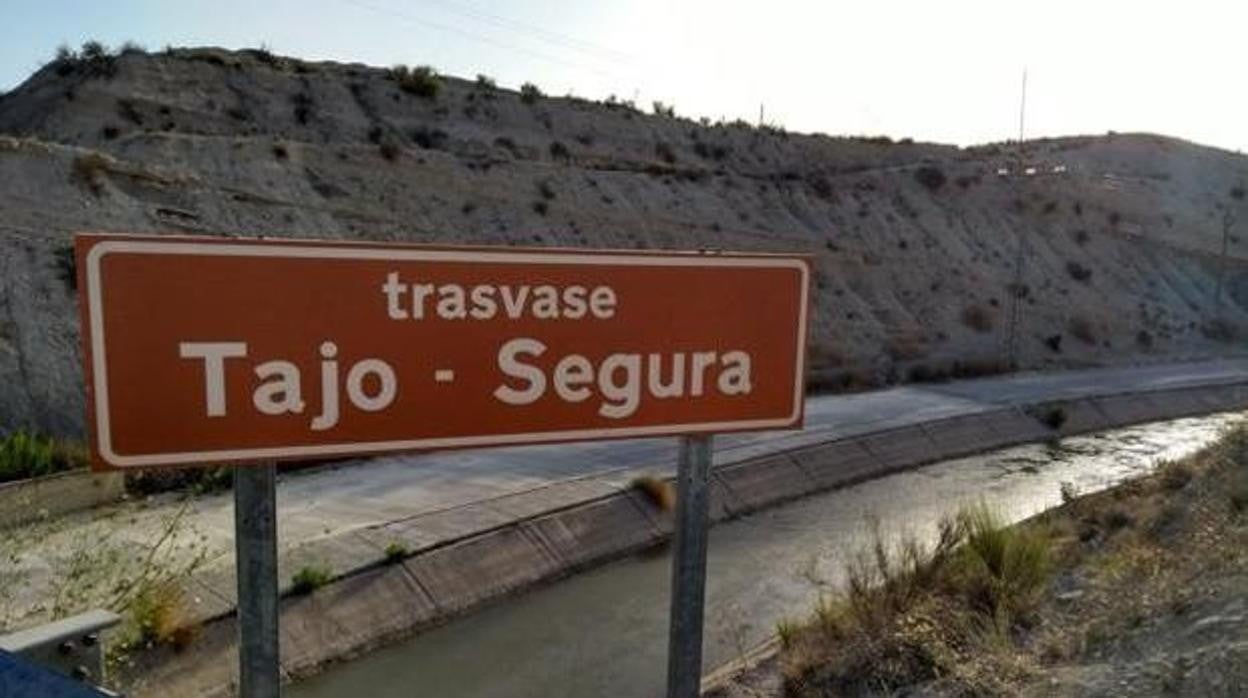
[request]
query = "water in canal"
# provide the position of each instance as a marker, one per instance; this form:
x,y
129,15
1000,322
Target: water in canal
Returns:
x,y
604,632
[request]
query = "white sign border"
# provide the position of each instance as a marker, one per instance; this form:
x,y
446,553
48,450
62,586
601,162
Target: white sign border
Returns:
x,y
295,250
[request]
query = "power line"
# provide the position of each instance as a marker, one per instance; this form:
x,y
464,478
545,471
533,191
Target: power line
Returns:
x,y
538,32
405,16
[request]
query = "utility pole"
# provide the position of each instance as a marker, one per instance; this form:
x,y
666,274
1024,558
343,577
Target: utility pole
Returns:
x,y
1020,256
1228,221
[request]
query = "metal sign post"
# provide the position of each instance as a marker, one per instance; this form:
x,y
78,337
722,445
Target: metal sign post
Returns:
x,y
684,650
255,541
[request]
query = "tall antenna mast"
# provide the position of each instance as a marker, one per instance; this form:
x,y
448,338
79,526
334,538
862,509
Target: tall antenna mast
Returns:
x,y
1020,257
1022,109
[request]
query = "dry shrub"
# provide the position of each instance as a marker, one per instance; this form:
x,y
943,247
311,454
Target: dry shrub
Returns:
x,y
1078,272
922,373
978,318
1081,329
1219,330
89,171
977,367
1175,476
905,347
660,492
824,356
840,381
1239,498
157,616
1051,416
930,176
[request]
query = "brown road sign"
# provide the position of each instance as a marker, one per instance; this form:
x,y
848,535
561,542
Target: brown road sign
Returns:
x,y
210,350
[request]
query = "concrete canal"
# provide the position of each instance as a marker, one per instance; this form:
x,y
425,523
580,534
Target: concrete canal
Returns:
x,y
603,633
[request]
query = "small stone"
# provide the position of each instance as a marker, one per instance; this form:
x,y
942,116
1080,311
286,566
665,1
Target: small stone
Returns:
x,y
1216,620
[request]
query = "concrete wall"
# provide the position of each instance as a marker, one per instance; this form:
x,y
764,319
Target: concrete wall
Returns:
x,y
381,603
29,500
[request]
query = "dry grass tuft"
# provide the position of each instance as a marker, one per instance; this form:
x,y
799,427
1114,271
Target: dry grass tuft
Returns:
x,y
660,492
157,616
309,578
977,318
26,454
913,614
396,552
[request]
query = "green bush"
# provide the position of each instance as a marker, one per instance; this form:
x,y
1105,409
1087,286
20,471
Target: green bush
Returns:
x,y
529,93
25,455
94,59
661,109
422,81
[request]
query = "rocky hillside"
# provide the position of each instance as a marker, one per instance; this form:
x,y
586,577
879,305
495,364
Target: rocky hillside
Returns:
x,y
916,244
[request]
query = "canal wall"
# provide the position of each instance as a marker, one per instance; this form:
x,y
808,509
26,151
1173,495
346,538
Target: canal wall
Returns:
x,y
378,598
24,501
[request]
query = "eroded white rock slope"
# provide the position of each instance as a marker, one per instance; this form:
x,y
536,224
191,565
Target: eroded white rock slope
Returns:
x,y
914,243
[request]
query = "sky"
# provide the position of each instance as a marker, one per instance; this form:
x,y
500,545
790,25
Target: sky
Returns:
x,y
946,71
